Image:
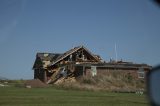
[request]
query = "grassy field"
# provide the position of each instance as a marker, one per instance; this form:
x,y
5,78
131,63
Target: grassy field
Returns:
x,y
12,96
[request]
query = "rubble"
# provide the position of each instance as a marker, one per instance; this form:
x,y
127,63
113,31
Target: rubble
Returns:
x,y
35,83
65,80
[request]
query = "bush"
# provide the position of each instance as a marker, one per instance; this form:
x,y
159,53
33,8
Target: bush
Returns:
x,y
113,81
87,80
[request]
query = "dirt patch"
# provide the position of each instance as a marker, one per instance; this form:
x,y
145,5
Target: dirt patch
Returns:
x,y
35,83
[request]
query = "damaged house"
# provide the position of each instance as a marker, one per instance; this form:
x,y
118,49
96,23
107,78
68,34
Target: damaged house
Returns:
x,y
79,61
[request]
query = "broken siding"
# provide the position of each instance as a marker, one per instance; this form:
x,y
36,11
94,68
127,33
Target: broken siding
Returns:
x,y
40,74
44,59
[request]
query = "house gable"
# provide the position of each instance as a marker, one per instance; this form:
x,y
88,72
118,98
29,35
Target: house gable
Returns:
x,y
78,54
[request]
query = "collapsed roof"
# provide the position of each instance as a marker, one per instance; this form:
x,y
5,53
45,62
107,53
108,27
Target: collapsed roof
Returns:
x,y
44,60
71,51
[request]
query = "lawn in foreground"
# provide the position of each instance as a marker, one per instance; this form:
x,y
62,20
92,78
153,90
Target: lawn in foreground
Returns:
x,y
11,96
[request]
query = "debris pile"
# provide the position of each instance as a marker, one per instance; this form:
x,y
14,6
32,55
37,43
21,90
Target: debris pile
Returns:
x,y
35,83
65,80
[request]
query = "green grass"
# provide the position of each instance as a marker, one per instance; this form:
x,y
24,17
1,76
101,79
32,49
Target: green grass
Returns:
x,y
12,96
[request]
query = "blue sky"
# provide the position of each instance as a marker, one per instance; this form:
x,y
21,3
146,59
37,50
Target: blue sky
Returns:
x,y
31,26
